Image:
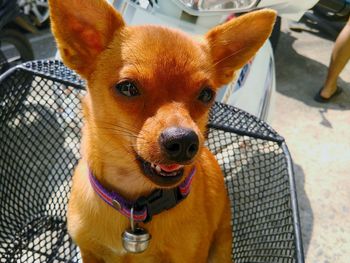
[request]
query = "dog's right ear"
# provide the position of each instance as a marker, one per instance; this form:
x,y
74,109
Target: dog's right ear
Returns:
x,y
83,29
232,44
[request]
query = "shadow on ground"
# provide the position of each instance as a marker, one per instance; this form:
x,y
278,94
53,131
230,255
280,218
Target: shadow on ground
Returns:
x,y
305,209
303,77
319,26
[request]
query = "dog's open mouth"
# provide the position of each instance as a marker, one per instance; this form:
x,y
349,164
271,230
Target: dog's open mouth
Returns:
x,y
161,174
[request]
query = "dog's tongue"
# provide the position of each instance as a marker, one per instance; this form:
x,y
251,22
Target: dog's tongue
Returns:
x,y
170,168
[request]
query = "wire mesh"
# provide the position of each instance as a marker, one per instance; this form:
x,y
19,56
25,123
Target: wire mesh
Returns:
x,y
40,122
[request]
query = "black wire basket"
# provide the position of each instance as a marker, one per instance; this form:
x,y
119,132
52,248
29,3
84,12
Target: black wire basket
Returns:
x,y
40,123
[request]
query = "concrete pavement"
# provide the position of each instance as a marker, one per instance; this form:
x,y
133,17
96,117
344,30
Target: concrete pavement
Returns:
x,y
318,136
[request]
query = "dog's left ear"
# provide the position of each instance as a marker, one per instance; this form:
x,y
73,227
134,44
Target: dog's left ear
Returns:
x,y
83,29
232,44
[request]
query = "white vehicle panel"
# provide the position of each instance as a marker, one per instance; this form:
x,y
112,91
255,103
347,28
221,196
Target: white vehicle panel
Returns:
x,y
293,10
248,96
137,16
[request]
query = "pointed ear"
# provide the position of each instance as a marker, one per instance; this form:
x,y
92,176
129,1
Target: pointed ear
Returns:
x,y
232,44
83,29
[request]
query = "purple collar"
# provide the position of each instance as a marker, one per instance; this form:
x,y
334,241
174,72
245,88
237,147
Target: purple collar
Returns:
x,y
144,207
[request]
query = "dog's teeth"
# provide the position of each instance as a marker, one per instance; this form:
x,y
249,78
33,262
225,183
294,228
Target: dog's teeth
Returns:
x,y
152,165
158,169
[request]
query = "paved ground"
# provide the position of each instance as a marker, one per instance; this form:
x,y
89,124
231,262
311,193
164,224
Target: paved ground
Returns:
x,y
319,139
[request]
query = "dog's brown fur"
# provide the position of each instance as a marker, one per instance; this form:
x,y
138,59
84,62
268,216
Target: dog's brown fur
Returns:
x,y
170,70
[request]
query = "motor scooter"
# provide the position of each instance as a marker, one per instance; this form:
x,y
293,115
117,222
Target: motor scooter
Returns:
x,y
14,46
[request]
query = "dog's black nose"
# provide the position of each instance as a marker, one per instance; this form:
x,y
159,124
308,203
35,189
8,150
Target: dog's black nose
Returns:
x,y
179,144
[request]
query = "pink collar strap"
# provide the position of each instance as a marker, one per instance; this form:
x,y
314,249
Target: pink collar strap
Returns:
x,y
144,207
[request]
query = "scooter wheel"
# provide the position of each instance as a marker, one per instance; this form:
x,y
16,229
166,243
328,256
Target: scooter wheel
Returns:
x,y
21,49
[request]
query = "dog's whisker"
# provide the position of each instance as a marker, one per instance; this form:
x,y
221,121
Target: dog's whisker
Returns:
x,y
130,134
117,129
121,132
116,124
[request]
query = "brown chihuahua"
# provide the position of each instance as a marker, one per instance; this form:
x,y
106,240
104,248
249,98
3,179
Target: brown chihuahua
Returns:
x,y
149,92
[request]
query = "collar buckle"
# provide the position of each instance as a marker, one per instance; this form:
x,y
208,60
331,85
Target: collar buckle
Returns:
x,y
158,201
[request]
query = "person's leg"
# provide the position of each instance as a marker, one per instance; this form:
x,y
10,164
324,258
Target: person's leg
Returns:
x,y
339,58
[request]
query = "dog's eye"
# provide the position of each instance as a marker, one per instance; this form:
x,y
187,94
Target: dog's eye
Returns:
x,y
127,88
206,95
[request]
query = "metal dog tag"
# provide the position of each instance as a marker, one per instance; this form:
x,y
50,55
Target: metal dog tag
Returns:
x,y
135,239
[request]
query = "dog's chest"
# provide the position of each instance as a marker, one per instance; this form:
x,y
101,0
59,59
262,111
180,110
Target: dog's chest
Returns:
x,y
168,238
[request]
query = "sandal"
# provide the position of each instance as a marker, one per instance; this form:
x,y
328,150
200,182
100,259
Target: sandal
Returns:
x,y
321,99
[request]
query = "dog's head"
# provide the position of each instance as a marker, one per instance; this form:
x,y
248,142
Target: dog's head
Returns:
x,y
150,88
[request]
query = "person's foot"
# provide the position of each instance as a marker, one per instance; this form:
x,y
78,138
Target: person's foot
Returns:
x,y
325,95
328,91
